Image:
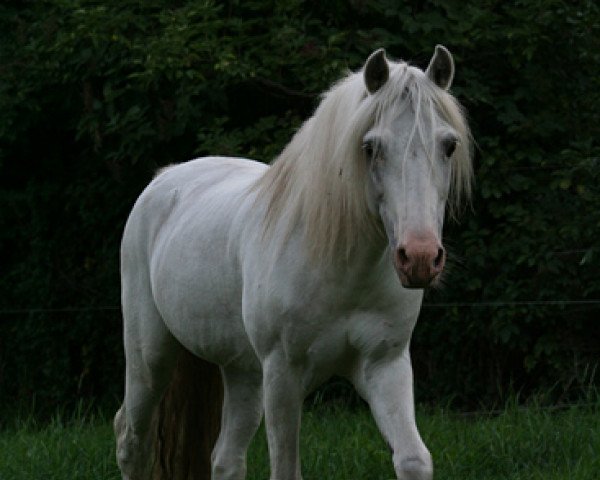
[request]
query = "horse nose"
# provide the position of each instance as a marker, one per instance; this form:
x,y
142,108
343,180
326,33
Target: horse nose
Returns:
x,y
419,260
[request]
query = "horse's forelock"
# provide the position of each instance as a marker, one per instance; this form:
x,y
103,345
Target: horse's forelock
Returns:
x,y
430,102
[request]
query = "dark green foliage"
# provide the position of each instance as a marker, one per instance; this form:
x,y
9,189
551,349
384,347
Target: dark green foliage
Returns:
x,y
94,96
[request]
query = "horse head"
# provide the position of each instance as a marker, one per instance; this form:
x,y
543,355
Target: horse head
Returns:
x,y
416,153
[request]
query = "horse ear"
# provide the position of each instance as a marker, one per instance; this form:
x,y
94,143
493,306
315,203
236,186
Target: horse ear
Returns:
x,y
376,71
441,68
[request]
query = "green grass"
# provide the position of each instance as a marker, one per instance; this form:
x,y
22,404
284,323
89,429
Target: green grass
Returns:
x,y
516,444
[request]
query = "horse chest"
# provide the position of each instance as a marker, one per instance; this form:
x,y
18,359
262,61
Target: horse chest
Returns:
x,y
327,338
323,319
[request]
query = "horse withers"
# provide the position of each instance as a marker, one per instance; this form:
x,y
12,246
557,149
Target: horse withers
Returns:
x,y
244,286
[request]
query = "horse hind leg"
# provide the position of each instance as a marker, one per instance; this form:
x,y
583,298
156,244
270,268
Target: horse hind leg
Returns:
x,y
151,353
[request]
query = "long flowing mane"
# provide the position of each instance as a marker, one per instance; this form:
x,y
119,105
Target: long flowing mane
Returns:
x,y
318,182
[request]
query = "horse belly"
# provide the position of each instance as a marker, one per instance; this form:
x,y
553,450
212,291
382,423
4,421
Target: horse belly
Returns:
x,y
207,323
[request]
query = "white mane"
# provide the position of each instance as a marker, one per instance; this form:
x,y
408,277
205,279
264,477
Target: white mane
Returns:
x,y
317,184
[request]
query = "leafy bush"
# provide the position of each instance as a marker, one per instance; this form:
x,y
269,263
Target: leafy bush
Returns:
x,y
94,96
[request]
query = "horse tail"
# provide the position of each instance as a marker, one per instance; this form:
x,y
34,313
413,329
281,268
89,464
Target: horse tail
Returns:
x,y
188,421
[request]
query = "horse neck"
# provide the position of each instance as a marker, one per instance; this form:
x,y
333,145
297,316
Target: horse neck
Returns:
x,y
366,260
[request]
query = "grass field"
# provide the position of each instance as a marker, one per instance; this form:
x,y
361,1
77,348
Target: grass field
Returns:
x,y
515,444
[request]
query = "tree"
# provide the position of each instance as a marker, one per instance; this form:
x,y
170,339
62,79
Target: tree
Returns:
x,y
95,96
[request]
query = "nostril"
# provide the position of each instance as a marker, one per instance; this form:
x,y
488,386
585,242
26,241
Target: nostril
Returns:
x,y
439,259
402,256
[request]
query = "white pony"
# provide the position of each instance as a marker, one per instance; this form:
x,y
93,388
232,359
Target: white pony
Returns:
x,y
273,279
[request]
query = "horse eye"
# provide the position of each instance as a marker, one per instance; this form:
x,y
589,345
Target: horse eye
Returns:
x,y
450,147
368,148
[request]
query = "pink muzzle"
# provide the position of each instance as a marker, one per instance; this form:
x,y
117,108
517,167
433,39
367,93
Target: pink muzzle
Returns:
x,y
419,260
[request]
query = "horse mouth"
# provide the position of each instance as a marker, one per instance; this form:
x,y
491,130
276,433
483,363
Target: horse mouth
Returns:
x,y
415,283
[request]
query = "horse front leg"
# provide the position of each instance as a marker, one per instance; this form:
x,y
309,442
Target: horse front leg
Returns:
x,y
242,413
283,396
387,385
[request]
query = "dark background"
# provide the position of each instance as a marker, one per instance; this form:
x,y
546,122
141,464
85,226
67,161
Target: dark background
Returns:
x,y
95,96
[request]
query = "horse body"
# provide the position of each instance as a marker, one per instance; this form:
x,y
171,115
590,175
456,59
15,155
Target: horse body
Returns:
x,y
216,264
203,268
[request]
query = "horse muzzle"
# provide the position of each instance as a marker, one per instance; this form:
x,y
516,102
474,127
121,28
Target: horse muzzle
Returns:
x,y
419,260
